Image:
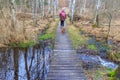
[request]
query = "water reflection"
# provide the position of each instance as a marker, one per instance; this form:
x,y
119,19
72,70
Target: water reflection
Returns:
x,y
24,64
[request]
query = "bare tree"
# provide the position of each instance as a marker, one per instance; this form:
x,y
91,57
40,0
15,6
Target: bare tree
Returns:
x,y
84,8
98,4
33,12
13,12
55,8
43,8
16,63
49,7
26,64
73,10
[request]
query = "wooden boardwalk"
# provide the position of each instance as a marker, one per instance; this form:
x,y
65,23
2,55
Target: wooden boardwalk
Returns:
x,y
65,63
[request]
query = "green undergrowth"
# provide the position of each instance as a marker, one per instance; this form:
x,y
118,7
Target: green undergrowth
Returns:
x,y
50,32
24,44
78,39
101,73
75,36
45,37
92,47
112,74
94,25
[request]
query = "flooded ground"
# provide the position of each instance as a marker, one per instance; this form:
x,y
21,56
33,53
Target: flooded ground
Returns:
x,y
24,64
90,61
95,58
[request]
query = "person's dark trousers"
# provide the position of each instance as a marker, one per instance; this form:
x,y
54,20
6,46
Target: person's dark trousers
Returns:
x,y
62,23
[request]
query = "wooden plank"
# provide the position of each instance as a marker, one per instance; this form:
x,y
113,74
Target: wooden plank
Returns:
x,y
65,63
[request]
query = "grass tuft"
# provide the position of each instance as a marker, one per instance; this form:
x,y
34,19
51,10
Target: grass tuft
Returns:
x,y
24,44
94,25
46,36
92,47
74,33
50,32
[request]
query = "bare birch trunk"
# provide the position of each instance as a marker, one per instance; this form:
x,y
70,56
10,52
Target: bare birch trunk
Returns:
x,y
57,3
49,1
21,3
43,12
84,6
52,8
36,11
13,12
73,10
33,11
98,5
55,7
70,7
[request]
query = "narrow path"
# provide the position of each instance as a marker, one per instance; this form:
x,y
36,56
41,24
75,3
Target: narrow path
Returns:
x,y
65,64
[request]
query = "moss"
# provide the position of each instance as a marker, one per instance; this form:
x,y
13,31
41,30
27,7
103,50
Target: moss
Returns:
x,y
12,44
92,47
22,44
94,25
52,46
26,44
45,37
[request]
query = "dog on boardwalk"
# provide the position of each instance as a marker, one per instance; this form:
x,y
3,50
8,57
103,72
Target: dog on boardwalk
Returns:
x,y
63,30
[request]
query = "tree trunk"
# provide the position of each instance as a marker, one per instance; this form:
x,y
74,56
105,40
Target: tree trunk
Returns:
x,y
110,18
73,10
84,6
36,11
49,1
26,64
98,5
70,7
33,12
55,7
13,13
16,63
43,12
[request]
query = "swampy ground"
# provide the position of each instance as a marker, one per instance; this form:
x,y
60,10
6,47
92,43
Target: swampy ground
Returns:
x,y
37,50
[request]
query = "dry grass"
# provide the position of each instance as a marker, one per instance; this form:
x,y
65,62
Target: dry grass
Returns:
x,y
24,29
102,31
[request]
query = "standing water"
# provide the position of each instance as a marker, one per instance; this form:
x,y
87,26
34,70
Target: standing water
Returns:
x,y
95,61
24,64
